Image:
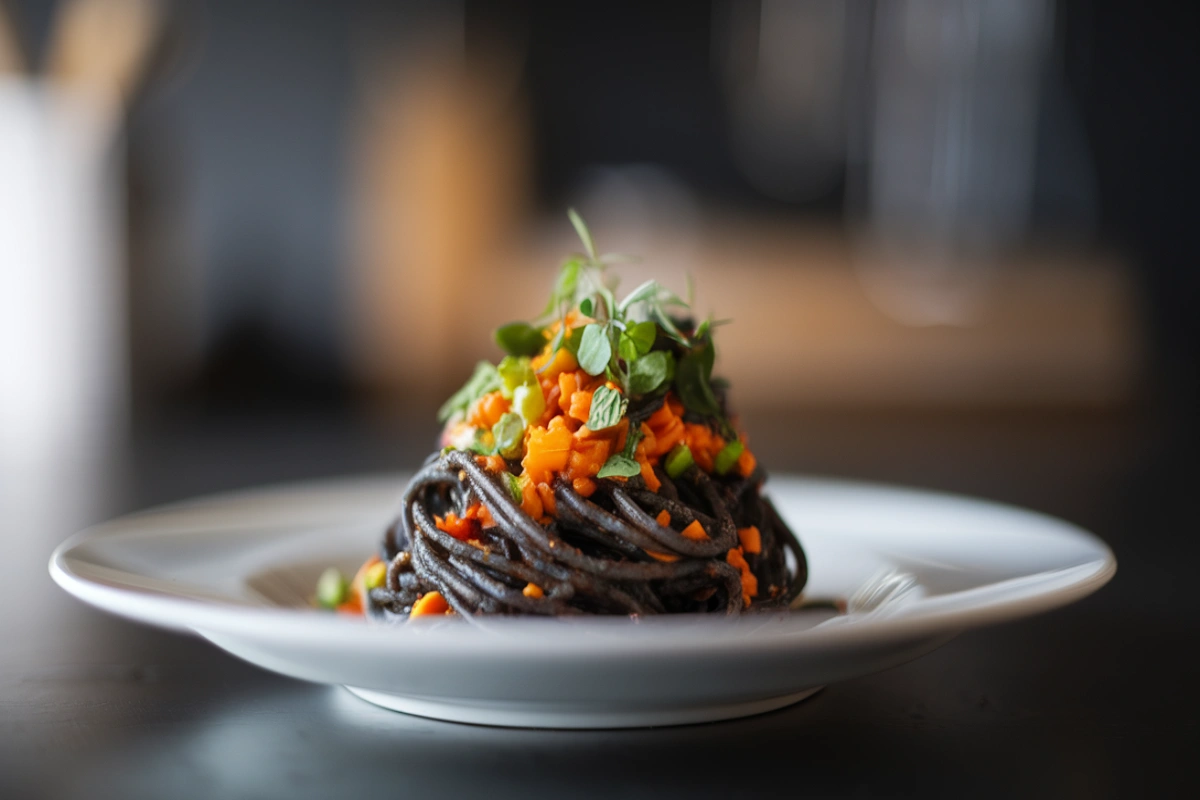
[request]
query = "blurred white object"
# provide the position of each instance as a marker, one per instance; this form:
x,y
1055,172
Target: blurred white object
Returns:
x,y
62,268
62,292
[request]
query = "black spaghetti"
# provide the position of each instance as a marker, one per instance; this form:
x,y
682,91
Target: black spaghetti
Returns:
x,y
595,470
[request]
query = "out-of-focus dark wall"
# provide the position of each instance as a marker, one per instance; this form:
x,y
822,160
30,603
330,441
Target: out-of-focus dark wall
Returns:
x,y
239,157
1134,68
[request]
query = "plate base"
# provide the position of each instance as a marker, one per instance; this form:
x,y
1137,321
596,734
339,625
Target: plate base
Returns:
x,y
568,715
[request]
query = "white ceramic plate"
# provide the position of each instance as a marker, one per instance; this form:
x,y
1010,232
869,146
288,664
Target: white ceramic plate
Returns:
x,y
238,570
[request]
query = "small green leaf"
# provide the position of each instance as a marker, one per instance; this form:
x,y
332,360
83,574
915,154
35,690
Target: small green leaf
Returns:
x,y
572,342
608,406
637,340
728,457
483,443
585,306
585,235
647,291
691,382
631,441
595,350
664,321
564,286
509,434
619,465
520,339
650,371
485,379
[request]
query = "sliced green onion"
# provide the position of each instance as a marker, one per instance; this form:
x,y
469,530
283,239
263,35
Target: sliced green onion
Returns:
x,y
728,457
509,435
678,460
529,403
375,575
514,486
515,372
332,587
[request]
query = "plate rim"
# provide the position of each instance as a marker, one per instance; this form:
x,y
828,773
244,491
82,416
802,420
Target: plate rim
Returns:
x,y
178,612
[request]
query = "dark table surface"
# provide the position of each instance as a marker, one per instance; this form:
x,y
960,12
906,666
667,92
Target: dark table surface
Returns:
x,y
1094,700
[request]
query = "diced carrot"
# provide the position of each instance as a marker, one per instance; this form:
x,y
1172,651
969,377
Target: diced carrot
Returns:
x,y
746,463
749,582
663,518
666,437
553,398
649,440
533,590
478,511
567,386
488,410
662,417
492,463
751,539
547,496
461,529
581,405
695,531
546,451
667,557
353,605
553,366
429,604
584,487
652,481
531,503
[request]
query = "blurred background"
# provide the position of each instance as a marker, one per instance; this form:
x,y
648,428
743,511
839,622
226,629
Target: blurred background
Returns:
x,y
248,241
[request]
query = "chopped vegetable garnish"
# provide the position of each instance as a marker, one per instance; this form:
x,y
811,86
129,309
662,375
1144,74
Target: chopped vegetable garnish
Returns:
x,y
678,460
428,604
332,587
728,456
594,469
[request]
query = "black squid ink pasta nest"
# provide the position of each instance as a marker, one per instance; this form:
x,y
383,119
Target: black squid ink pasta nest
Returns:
x,y
594,470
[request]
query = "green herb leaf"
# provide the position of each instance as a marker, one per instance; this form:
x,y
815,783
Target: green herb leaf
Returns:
x,y
520,339
564,286
619,465
637,340
585,306
483,443
650,372
647,291
485,379
509,434
691,382
585,235
608,406
664,321
572,342
631,441
595,350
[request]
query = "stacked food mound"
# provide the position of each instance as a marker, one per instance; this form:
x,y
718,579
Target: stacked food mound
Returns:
x,y
595,470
